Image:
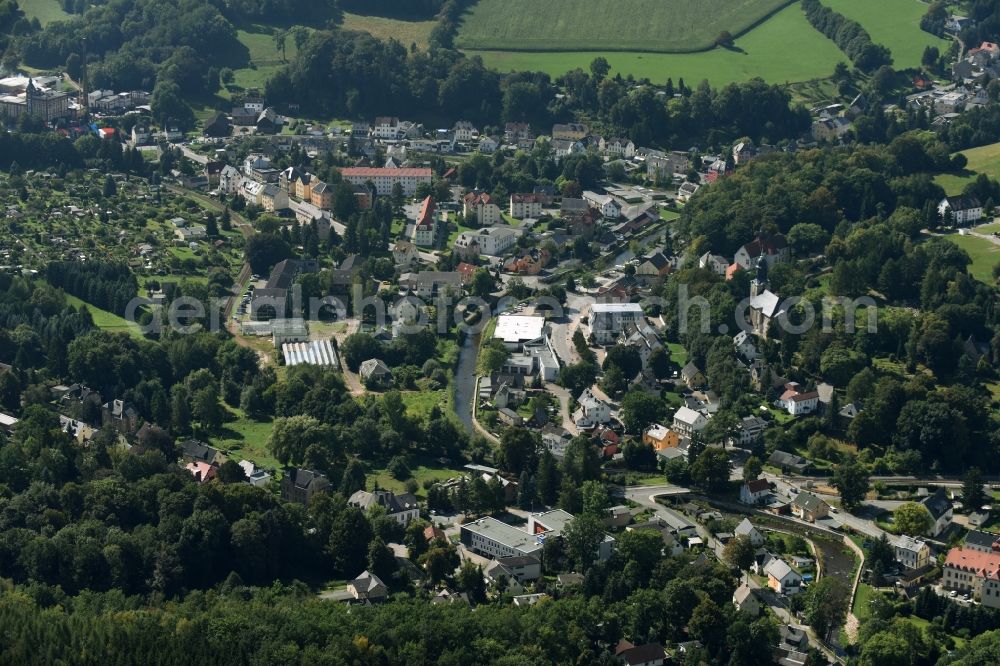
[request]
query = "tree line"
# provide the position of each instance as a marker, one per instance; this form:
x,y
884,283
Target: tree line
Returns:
x,y
351,74
849,35
109,286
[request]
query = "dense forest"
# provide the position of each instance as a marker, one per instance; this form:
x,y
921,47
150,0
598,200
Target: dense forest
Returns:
x,y
864,208
108,286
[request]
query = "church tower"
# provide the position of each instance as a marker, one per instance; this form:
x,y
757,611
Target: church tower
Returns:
x,y
760,283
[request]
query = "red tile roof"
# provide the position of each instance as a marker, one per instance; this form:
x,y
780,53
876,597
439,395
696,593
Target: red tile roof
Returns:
x,y
426,216
478,198
984,565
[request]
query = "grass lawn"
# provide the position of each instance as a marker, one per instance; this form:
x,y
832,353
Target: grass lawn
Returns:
x,y
46,11
421,473
419,403
893,23
405,32
665,26
668,215
244,438
104,320
984,159
985,255
678,354
765,51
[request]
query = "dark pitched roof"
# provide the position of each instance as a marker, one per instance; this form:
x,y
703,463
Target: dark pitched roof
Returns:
x,y
196,450
519,561
965,202
981,539
307,479
641,654
937,504
758,485
807,501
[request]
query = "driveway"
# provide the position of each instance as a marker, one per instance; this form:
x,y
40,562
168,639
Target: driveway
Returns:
x,y
564,398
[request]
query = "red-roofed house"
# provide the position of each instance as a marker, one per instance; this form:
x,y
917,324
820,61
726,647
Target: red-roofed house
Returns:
x,y
432,532
203,472
466,270
774,248
425,233
975,572
106,132
755,492
795,402
481,206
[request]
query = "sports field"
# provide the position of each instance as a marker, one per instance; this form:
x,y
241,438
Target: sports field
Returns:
x,y
782,49
984,159
894,23
610,25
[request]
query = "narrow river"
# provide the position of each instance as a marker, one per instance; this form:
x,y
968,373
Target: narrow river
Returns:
x,y
465,380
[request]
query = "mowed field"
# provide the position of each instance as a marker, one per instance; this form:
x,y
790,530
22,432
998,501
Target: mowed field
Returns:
x,y
46,11
782,49
405,32
984,159
985,255
621,25
894,23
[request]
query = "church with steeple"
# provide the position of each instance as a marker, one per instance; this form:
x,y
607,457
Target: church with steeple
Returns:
x,y
764,304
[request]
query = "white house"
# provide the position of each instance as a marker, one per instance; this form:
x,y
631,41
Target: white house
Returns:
x,y
755,492
912,553
782,578
525,205
465,131
386,128
941,511
605,203
774,249
744,345
492,241
714,263
592,411
608,320
488,145
745,600
747,529
229,180
749,430
687,421
964,209
401,508
617,147
797,403
482,207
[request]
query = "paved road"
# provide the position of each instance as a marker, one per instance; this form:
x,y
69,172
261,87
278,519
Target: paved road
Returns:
x,y
191,155
562,332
